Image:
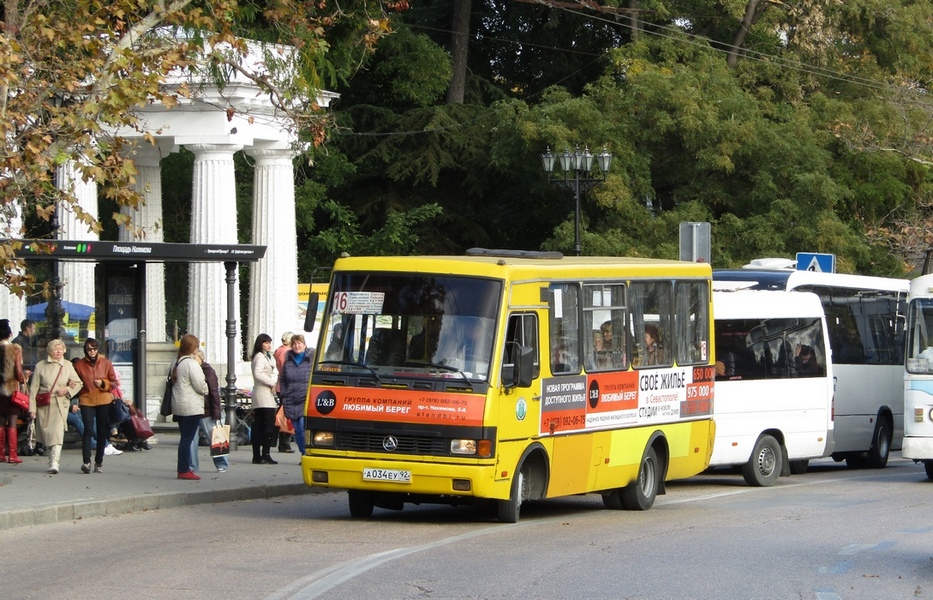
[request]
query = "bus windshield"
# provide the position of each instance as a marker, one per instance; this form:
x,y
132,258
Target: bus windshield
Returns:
x,y
410,324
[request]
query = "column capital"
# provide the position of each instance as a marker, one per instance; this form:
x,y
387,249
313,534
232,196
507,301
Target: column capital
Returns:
x,y
272,154
205,150
147,155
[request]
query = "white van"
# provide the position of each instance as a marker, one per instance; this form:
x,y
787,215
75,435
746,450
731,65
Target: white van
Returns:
x,y
774,383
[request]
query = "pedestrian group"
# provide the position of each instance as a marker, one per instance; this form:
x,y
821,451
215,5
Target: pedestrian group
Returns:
x,y
82,392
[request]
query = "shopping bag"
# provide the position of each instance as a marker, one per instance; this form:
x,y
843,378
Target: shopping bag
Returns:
x,y
220,441
284,423
140,425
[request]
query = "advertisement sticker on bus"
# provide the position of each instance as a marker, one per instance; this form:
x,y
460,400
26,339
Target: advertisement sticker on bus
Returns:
x,y
399,406
571,404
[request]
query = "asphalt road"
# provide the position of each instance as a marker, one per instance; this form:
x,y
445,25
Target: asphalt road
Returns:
x,y
831,534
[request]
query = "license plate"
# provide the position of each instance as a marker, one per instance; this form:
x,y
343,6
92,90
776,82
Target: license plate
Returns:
x,y
396,475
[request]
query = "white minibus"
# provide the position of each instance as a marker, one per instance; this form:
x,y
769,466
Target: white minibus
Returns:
x,y
774,384
866,320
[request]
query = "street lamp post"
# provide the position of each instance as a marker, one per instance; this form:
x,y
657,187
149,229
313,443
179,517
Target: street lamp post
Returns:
x,y
54,312
577,167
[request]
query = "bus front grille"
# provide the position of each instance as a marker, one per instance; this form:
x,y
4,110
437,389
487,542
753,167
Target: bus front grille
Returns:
x,y
407,444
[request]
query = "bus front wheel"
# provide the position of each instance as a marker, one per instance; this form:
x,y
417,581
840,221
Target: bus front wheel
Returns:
x,y
764,466
928,467
640,494
361,504
880,445
509,510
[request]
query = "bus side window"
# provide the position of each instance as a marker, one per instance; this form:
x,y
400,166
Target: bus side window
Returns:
x,y
651,306
564,339
604,320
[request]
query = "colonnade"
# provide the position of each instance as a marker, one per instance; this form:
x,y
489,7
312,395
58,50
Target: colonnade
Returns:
x,y
273,289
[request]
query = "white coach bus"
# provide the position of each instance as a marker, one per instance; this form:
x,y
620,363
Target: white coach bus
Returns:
x,y
774,384
866,317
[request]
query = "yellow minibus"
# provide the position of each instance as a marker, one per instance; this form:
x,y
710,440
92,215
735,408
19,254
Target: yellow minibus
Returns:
x,y
510,376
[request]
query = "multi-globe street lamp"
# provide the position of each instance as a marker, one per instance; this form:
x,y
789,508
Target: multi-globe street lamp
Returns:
x,y
578,174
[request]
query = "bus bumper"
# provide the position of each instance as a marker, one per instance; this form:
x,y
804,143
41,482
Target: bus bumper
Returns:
x,y
918,448
429,479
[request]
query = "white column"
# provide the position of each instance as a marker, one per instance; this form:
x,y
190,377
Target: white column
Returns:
x,y
273,294
77,277
213,221
148,218
12,306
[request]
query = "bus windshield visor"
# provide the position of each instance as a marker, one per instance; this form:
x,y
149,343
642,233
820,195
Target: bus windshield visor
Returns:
x,y
411,324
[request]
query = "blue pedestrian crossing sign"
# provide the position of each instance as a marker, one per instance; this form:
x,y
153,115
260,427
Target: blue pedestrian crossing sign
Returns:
x,y
821,263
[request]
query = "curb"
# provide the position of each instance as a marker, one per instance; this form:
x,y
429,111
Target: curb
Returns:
x,y
59,513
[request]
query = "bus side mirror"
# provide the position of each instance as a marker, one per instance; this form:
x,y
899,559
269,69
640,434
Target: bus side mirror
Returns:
x,y
526,367
311,313
521,372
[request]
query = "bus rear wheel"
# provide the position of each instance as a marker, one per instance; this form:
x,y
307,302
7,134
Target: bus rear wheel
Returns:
x,y
764,466
361,504
640,494
928,467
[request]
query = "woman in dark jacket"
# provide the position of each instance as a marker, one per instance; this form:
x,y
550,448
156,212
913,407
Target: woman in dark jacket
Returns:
x,y
293,385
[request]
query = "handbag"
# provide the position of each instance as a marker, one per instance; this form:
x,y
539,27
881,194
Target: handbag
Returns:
x,y
284,423
220,441
167,398
45,398
20,399
140,425
119,412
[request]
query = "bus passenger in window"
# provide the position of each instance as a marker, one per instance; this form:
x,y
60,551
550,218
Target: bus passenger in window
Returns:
x,y
653,346
849,344
423,344
805,359
607,354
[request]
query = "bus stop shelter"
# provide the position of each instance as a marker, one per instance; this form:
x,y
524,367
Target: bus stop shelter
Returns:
x,y
121,281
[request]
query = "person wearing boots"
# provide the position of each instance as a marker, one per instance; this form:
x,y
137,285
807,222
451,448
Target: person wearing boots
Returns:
x,y
98,378
53,384
11,369
263,400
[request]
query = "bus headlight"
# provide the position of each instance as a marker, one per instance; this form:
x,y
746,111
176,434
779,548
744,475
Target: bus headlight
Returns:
x,y
463,447
323,438
481,448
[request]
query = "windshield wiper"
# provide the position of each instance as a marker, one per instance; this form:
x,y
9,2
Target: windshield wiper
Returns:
x,y
344,363
439,366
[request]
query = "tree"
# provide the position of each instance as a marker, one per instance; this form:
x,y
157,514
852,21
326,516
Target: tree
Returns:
x,y
72,74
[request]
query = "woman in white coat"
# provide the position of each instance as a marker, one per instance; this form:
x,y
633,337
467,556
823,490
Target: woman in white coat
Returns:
x,y
263,400
188,390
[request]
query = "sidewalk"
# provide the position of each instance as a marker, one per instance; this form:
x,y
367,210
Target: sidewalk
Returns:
x,y
136,481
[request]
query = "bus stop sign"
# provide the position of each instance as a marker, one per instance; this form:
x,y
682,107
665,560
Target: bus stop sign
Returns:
x,y
821,263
